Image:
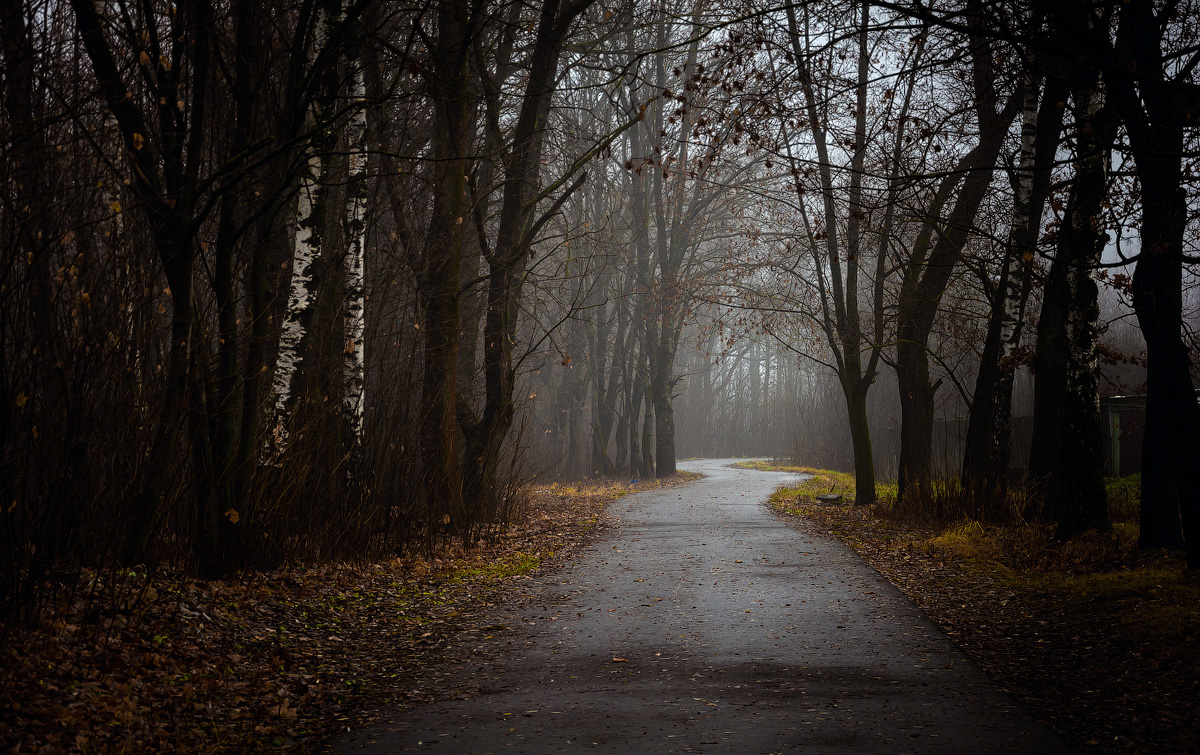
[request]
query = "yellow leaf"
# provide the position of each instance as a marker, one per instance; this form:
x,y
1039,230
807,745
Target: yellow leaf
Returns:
x,y
445,519
22,399
144,58
115,206
138,141
533,395
232,516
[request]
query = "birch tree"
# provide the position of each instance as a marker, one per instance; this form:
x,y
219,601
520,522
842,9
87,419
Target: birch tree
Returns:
x,y
354,306
311,207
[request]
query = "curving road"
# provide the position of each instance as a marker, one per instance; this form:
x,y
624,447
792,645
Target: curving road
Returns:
x,y
703,623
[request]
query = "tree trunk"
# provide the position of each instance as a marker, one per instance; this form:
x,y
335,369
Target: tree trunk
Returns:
x,y
860,436
636,469
843,322
989,410
601,381
309,245
1049,120
164,170
1067,432
1169,444
1170,456
485,437
920,298
929,272
661,384
664,436
916,415
60,446
648,470
441,276
1156,115
355,232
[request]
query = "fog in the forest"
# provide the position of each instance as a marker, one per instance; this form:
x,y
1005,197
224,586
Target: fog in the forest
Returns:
x,y
323,279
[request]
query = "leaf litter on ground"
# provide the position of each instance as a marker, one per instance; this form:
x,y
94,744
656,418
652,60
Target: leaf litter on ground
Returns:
x,y
1100,640
271,662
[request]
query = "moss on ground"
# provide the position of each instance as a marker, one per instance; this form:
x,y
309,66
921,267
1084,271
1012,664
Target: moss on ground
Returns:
x,y
821,482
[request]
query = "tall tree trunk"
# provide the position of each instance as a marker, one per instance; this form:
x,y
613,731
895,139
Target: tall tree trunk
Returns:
x,y
60,447
164,168
600,379
1156,115
637,393
1170,452
1049,121
354,306
929,272
441,273
648,450
486,436
661,386
987,419
860,437
1067,430
843,324
228,421
309,246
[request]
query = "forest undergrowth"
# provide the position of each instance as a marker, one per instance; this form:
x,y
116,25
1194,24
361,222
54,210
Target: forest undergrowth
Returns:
x,y
1097,638
269,662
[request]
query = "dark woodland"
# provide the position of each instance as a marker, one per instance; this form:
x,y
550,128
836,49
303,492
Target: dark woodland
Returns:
x,y
305,282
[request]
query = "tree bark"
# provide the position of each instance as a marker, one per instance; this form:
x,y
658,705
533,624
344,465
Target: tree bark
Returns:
x,y
164,170
1156,116
843,324
309,246
929,272
441,273
986,456
1066,450
355,232
486,436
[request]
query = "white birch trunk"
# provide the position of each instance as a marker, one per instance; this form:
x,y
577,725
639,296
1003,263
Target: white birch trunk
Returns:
x,y
307,248
1012,299
353,312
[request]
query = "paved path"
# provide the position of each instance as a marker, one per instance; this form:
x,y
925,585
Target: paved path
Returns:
x,y
738,633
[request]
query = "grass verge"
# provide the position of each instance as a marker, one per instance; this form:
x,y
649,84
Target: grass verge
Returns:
x,y
822,482
1097,638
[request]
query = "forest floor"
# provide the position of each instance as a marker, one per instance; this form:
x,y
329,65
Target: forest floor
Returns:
x,y
270,662
1101,640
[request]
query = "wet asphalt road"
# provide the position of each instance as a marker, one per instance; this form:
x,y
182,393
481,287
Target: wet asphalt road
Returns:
x,y
735,633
